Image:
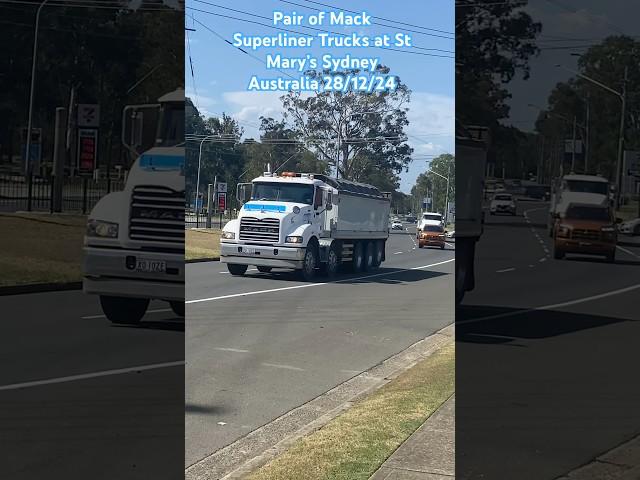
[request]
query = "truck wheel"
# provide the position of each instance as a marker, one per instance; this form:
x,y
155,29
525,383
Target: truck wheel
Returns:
x,y
309,263
236,269
263,269
558,254
177,308
357,262
124,310
611,258
333,263
378,253
369,256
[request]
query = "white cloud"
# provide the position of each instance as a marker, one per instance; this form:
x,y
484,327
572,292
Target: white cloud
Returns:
x,y
205,104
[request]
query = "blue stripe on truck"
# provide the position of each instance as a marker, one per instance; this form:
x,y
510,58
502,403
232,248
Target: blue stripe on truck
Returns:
x,y
266,208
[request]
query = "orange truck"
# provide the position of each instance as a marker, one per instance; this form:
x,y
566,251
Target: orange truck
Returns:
x,y
431,236
585,228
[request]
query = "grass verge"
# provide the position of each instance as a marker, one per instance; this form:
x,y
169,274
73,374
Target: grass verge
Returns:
x,y
628,211
202,243
356,443
40,248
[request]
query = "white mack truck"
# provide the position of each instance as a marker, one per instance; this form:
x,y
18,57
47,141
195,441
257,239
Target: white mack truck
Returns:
x,y
134,243
306,222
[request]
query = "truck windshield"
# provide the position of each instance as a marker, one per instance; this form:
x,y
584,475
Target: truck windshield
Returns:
x,y
587,187
171,125
283,192
437,218
588,213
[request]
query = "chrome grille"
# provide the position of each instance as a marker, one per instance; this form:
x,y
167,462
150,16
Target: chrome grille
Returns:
x,y
260,230
581,234
157,215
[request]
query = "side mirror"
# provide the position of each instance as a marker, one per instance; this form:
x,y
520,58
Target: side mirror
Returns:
x,y
243,193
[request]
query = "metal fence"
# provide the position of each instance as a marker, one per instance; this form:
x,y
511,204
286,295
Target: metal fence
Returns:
x,y
199,220
79,194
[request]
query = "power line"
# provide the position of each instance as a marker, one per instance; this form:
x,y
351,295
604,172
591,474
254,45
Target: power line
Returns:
x,y
389,26
382,18
242,50
98,5
302,33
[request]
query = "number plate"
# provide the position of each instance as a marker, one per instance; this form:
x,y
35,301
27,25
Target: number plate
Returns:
x,y
151,266
250,251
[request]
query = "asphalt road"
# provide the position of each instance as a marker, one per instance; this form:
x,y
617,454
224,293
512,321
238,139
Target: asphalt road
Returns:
x,y
545,354
261,345
115,421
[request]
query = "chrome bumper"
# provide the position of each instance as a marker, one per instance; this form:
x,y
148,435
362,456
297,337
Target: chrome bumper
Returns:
x,y
263,255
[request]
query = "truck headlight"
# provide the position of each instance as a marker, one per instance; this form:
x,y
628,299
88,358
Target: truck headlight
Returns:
x,y
101,229
293,239
228,235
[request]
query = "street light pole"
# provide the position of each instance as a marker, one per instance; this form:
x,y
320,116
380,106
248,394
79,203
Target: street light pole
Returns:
x,y
446,198
623,98
30,115
198,178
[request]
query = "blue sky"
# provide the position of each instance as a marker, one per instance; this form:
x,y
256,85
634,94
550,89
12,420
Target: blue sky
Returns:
x,y
222,72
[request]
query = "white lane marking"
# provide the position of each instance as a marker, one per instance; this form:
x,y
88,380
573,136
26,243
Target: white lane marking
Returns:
x,y
85,376
505,270
235,350
309,285
628,251
543,259
531,266
450,244
160,310
555,305
285,367
397,253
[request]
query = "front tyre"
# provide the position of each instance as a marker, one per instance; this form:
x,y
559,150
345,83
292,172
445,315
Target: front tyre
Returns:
x,y
236,269
124,310
309,263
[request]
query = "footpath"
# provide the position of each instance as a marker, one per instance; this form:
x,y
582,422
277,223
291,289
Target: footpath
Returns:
x,y
428,454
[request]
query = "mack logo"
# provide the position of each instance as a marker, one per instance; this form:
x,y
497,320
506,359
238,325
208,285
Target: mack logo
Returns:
x,y
155,214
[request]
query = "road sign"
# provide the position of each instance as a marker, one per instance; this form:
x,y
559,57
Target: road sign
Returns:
x,y
88,115
222,201
222,187
87,149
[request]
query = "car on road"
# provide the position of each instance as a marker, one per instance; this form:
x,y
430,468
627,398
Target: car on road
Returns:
x,y
451,234
502,203
431,236
397,226
585,229
429,218
632,227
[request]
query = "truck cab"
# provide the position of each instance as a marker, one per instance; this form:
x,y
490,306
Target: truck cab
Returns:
x,y
303,221
134,242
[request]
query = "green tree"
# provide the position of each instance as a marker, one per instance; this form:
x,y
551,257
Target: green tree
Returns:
x,y
352,130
